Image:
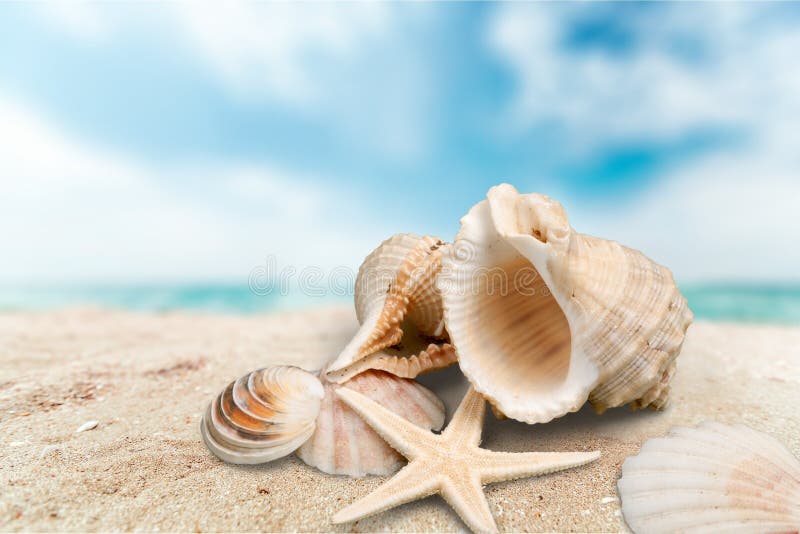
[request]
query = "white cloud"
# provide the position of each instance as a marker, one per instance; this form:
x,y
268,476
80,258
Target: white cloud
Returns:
x,y
81,19
355,65
71,211
275,46
726,218
731,214
359,69
750,77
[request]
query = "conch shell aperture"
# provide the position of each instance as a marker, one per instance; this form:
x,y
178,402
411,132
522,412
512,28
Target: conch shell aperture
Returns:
x,y
543,317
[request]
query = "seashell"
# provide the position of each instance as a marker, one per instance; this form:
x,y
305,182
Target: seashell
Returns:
x,y
713,478
407,361
270,413
400,311
544,318
343,444
262,416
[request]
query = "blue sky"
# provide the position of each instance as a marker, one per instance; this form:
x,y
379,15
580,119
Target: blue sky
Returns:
x,y
146,142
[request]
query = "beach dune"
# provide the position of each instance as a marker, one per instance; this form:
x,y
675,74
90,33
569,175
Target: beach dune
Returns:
x,y
145,380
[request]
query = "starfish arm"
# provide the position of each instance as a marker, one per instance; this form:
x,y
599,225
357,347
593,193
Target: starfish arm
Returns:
x,y
498,466
463,492
412,482
405,437
467,422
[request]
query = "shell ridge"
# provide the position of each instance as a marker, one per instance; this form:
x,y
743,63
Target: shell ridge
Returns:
x,y
695,492
709,478
365,451
717,440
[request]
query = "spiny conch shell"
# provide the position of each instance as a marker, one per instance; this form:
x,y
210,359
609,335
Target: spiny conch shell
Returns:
x,y
263,415
400,312
543,317
714,478
343,444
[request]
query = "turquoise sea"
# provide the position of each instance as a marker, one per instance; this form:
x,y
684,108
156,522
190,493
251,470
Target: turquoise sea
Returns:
x,y
716,302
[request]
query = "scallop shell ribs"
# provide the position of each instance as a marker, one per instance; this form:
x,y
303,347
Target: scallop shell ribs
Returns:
x,y
343,444
713,478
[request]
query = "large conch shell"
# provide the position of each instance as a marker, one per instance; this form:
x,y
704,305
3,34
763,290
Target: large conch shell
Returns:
x,y
344,444
714,478
543,317
400,312
270,413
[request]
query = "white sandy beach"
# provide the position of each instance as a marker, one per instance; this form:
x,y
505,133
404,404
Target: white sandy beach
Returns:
x,y
147,378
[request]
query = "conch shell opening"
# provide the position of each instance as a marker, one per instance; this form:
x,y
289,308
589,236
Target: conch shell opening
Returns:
x,y
544,318
400,312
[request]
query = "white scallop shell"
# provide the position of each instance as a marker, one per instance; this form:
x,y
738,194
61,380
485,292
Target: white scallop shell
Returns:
x,y
343,444
713,478
263,415
396,303
544,318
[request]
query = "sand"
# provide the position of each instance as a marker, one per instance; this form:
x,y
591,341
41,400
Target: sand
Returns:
x,y
146,379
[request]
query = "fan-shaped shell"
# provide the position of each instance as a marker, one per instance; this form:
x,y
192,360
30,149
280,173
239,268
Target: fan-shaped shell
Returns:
x,y
543,317
714,478
396,302
344,444
263,415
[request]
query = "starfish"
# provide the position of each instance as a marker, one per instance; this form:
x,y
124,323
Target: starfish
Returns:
x,y
450,463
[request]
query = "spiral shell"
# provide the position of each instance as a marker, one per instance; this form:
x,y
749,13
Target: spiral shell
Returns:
x,y
397,304
343,444
263,415
714,478
544,318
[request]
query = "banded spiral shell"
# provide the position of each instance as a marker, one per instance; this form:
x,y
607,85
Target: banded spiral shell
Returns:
x,y
263,415
713,478
400,312
343,444
544,318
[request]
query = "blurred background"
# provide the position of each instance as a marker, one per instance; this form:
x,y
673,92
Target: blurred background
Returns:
x,y
156,156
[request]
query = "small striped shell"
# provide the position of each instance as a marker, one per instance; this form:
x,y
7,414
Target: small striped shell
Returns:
x,y
397,304
713,478
263,415
544,318
343,444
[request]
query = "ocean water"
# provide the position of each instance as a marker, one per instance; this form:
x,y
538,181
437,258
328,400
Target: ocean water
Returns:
x,y
212,298
745,303
716,302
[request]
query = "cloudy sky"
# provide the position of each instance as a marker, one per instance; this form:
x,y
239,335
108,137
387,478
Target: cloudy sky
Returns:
x,y
148,142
